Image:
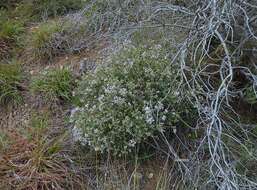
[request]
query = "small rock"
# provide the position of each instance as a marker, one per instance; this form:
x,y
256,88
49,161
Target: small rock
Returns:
x,y
150,176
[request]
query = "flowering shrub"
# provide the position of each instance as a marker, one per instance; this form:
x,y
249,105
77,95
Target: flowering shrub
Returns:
x,y
128,101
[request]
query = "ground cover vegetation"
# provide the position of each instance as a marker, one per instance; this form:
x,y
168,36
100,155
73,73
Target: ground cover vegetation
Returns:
x,y
147,94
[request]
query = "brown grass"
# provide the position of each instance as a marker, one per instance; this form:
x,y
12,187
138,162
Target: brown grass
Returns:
x,y
4,49
36,162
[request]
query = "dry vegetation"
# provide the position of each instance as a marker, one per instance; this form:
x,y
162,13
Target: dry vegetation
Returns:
x,y
128,95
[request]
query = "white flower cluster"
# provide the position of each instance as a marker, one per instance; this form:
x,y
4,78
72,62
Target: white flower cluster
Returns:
x,y
159,106
148,115
118,100
79,136
109,89
123,91
152,114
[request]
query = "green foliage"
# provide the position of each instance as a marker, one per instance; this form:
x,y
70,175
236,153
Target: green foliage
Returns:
x,y
10,79
250,95
3,15
53,85
246,156
4,141
10,30
57,38
98,7
9,3
134,98
57,7
42,9
37,126
39,122
42,39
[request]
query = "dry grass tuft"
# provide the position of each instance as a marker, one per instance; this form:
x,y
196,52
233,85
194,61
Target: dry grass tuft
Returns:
x,y
32,160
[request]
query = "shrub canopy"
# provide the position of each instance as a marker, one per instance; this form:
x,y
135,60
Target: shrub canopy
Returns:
x,y
128,101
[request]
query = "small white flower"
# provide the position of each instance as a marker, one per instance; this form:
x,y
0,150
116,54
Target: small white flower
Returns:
x,y
159,106
130,62
100,98
132,143
158,46
174,130
163,117
148,115
149,120
96,131
77,134
144,54
147,109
